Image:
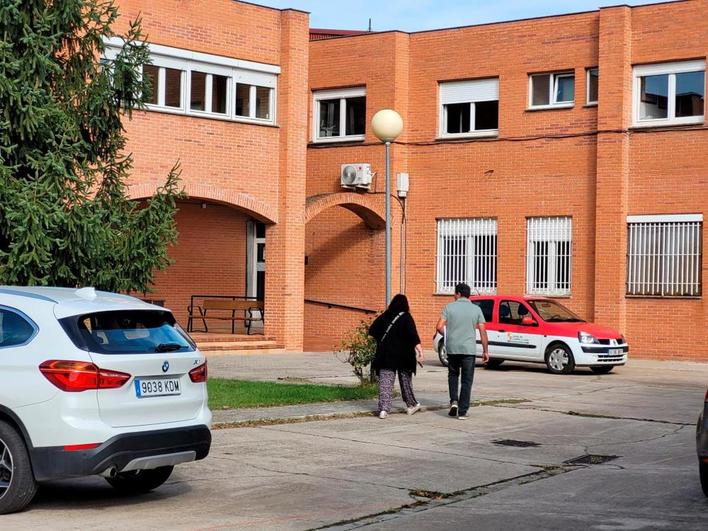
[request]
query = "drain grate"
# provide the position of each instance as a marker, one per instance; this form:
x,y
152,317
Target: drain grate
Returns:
x,y
517,444
591,459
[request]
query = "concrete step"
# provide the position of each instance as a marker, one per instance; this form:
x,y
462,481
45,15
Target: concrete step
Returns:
x,y
201,337
237,346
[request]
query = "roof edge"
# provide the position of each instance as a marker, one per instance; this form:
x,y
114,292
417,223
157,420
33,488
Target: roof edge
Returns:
x,y
503,22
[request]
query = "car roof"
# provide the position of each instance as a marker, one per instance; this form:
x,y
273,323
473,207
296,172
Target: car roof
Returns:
x,y
72,301
511,297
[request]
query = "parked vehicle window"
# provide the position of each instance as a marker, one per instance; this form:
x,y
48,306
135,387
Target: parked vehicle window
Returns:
x,y
128,332
553,312
512,312
487,307
14,329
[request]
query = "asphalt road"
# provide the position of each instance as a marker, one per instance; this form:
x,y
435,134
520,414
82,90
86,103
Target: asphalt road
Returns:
x,y
510,466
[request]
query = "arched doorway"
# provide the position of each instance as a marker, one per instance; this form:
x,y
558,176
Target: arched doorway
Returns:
x,y
344,264
219,254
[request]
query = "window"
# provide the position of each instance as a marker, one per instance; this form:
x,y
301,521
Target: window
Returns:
x,y
339,115
512,312
664,255
206,85
669,93
467,252
592,83
166,86
152,74
127,332
487,307
552,90
469,108
198,91
15,330
208,92
253,102
548,256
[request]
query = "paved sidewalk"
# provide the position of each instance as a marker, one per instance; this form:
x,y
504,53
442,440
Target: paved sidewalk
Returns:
x,y
512,465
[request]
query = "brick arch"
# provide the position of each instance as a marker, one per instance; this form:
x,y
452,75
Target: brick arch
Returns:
x,y
367,206
240,200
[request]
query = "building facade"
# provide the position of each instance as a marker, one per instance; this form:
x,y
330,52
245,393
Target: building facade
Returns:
x,y
560,156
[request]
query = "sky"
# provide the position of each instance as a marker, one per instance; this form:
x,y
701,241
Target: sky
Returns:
x,y
415,15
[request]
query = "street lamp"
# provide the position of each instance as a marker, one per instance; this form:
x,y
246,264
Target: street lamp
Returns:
x,y
387,124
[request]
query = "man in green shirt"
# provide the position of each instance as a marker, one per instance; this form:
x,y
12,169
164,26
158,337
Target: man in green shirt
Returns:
x,y
458,323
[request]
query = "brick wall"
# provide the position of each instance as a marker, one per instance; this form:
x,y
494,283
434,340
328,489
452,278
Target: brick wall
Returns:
x,y
254,171
544,163
224,250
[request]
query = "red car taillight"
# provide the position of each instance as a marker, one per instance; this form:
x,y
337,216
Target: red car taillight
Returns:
x,y
77,376
199,374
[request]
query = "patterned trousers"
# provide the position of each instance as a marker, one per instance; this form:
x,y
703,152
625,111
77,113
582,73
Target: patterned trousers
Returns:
x,y
387,378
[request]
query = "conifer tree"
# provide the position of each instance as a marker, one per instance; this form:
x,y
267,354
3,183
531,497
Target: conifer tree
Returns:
x,y
65,217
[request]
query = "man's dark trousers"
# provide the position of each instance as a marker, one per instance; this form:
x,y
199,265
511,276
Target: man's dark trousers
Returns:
x,y
460,365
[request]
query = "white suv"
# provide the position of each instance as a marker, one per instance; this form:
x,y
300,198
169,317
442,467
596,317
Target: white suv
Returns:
x,y
95,383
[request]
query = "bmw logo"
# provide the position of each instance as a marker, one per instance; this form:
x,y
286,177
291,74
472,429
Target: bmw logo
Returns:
x,y
166,366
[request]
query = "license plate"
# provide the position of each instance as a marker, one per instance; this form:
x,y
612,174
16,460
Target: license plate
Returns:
x,y
147,387
616,351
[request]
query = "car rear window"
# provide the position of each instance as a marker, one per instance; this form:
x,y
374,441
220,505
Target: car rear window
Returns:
x,y
486,305
128,332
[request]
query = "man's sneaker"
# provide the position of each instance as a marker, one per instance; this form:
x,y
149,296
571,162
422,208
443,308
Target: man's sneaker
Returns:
x,y
453,409
383,415
462,417
413,409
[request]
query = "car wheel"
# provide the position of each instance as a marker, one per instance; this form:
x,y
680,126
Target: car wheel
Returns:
x,y
17,484
442,353
603,369
494,363
559,359
703,470
140,481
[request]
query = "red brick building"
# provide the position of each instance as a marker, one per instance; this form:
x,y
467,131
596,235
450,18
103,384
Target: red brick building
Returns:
x,y
564,156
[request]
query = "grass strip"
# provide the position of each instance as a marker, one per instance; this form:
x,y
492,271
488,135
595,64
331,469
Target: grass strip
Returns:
x,y
234,394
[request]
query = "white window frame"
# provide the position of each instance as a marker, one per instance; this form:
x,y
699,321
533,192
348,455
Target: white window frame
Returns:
x,y
670,69
588,101
552,85
342,95
474,133
551,230
186,61
655,274
464,264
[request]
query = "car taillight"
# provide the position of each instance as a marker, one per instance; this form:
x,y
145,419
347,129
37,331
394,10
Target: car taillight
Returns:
x,y
199,374
77,376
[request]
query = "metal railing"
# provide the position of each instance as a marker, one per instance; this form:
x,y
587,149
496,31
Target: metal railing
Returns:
x,y
367,311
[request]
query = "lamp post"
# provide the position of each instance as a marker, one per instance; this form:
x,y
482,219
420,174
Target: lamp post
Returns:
x,y
387,124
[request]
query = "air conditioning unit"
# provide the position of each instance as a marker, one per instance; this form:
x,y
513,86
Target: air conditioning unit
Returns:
x,y
357,175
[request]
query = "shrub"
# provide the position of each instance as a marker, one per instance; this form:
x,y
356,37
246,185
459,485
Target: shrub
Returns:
x,y
360,349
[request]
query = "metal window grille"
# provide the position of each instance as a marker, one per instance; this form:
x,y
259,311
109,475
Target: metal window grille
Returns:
x,y
664,258
467,252
549,256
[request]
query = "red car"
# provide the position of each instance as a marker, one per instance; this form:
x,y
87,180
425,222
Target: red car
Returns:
x,y
541,330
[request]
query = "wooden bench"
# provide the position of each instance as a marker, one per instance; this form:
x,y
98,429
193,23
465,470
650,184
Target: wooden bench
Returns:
x,y
234,310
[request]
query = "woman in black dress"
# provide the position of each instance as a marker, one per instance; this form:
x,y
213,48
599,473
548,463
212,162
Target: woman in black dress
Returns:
x,y
398,350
